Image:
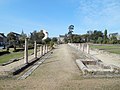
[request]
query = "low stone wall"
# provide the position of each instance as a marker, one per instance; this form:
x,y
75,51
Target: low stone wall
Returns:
x,y
22,67
102,70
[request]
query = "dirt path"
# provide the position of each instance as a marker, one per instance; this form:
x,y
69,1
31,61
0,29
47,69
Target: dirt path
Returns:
x,y
59,72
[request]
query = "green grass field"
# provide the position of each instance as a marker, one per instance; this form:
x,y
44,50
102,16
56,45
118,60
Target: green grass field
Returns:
x,y
12,55
109,48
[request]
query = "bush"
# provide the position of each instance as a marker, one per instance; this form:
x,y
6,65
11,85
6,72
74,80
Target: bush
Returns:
x,y
17,50
51,44
30,46
4,52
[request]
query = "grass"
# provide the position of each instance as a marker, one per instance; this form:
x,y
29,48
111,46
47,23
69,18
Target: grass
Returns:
x,y
109,48
12,55
1,50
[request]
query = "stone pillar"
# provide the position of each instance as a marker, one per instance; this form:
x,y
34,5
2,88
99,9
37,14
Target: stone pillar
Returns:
x,y
49,48
83,47
35,49
26,51
46,48
88,51
79,46
41,50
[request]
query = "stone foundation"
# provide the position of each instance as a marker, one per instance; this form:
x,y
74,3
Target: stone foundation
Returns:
x,y
94,68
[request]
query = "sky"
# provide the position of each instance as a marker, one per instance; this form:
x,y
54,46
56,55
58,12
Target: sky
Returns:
x,y
55,16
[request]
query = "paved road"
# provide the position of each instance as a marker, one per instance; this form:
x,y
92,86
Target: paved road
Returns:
x,y
60,72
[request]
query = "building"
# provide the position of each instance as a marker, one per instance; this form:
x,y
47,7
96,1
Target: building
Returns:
x,y
3,39
16,35
61,39
115,35
17,38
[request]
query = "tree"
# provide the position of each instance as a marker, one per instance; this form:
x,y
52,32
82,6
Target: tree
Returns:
x,y
51,44
96,34
12,40
38,36
105,37
66,38
47,41
85,37
22,38
100,40
76,39
89,38
70,36
113,40
54,39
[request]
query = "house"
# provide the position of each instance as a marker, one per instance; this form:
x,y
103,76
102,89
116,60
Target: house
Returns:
x,y
17,38
115,35
61,39
3,39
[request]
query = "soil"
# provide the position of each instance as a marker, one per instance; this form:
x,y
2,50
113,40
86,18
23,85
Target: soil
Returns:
x,y
60,72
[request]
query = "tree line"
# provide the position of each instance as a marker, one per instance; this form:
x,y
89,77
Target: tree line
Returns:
x,y
95,36
17,40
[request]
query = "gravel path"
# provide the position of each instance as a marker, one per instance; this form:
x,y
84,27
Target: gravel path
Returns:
x,y
60,72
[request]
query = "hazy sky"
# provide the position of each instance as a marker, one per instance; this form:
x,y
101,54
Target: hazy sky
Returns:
x,y
56,15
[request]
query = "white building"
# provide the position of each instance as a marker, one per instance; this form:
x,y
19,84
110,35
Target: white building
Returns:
x,y
61,38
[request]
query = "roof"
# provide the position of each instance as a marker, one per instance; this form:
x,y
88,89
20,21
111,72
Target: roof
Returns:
x,y
61,35
113,34
15,33
2,35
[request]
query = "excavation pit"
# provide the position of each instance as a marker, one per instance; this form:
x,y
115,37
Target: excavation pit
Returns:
x,y
96,68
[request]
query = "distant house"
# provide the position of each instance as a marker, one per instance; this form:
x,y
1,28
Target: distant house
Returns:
x,y
17,38
115,35
61,39
3,39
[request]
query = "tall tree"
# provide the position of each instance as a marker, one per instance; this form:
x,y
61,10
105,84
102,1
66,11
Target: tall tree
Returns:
x,y
105,37
70,36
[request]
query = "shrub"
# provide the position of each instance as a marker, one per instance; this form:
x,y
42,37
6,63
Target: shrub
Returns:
x,y
4,52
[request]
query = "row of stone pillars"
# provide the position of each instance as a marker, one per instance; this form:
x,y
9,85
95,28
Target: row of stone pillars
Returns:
x,y
83,47
43,50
